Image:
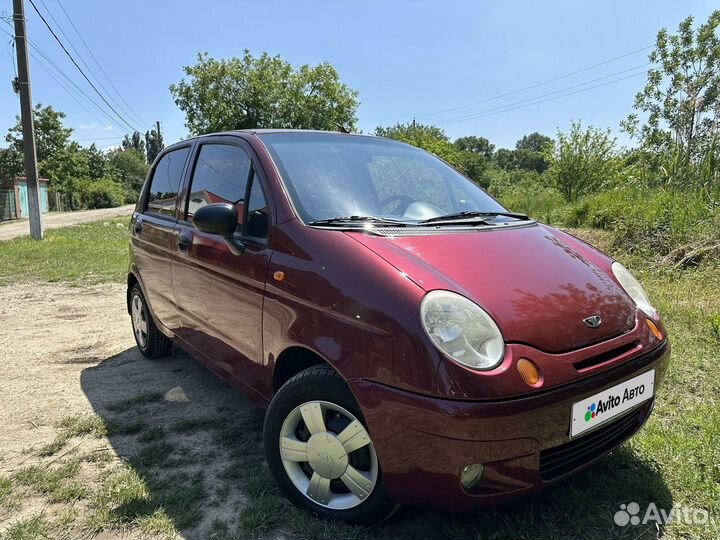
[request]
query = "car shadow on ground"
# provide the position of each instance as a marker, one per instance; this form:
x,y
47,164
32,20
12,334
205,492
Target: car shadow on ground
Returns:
x,y
192,455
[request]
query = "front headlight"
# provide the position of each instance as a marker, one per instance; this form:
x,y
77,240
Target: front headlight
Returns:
x,y
462,330
633,288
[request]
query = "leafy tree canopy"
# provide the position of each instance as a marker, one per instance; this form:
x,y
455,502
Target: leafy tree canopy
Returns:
x,y
583,161
681,99
535,142
134,142
153,144
477,145
50,133
263,92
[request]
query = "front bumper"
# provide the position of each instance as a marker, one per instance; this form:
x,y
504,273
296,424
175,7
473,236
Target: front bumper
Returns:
x,y
423,442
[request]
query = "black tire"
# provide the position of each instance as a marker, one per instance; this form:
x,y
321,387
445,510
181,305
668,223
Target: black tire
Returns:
x,y
320,383
156,343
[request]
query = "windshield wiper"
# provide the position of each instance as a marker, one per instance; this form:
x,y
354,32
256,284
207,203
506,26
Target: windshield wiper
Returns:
x,y
472,214
340,220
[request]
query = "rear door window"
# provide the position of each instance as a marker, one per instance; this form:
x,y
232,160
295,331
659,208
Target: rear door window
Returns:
x,y
165,183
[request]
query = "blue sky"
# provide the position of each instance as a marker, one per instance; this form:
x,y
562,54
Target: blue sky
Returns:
x,y
406,58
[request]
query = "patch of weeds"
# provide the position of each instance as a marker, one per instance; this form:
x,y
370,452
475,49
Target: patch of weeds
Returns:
x,y
101,455
158,504
123,496
53,447
7,498
76,426
68,492
304,525
152,455
125,405
151,434
219,530
261,515
715,327
32,528
53,482
157,525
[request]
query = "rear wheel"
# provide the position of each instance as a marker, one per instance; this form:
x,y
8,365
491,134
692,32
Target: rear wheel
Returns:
x,y
151,342
320,451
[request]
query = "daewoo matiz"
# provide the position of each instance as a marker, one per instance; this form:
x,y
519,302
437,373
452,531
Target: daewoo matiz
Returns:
x,y
412,341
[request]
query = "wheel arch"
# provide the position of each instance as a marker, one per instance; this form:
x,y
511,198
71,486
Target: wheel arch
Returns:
x,y
292,361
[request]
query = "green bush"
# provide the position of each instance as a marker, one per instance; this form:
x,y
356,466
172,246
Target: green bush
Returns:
x,y
648,220
102,193
526,192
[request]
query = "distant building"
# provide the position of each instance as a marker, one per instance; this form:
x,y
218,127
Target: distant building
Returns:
x,y
14,198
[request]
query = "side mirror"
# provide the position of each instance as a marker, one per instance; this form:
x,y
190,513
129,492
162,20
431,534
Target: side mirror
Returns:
x,y
216,218
220,219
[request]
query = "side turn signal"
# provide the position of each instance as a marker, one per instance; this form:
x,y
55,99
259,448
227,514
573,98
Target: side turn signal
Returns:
x,y
654,329
528,371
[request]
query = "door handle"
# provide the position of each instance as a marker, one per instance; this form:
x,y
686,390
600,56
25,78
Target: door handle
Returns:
x,y
184,240
138,226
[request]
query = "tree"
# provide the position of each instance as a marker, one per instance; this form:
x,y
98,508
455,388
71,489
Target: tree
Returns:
x,y
583,161
153,144
535,142
50,134
427,137
96,160
263,92
433,139
681,99
505,159
134,142
129,168
65,168
477,145
11,164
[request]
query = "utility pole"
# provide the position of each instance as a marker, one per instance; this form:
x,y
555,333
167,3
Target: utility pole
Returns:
x,y
26,113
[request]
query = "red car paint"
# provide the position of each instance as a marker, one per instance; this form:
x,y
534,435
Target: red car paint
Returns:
x,y
353,299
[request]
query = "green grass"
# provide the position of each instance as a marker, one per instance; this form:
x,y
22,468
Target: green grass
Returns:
x,y
33,528
8,499
55,482
87,253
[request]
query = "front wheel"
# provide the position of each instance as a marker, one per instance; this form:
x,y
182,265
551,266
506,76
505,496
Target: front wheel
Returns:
x,y
320,451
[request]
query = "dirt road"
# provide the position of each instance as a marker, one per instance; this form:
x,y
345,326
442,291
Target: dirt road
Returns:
x,y
21,227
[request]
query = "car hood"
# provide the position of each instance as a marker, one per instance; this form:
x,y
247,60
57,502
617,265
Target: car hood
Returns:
x,y
536,282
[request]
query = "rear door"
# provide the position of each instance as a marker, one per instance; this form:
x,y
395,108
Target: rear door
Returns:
x,y
154,236
220,294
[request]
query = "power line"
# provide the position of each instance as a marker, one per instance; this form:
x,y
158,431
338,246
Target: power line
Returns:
x,y
512,108
102,70
70,81
482,113
80,56
79,68
543,83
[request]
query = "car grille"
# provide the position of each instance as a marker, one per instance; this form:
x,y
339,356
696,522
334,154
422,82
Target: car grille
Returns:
x,y
560,460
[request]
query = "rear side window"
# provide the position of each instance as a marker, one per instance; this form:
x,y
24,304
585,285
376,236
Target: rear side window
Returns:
x,y
220,176
165,182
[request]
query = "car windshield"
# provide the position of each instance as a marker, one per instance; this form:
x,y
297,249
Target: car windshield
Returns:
x,y
331,175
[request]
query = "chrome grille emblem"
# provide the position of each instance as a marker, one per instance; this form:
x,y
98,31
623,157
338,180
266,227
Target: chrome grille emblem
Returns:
x,y
594,321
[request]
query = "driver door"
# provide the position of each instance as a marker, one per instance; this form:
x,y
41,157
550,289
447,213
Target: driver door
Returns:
x,y
220,294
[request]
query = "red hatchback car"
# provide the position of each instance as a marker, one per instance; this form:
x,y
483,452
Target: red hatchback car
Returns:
x,y
412,340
